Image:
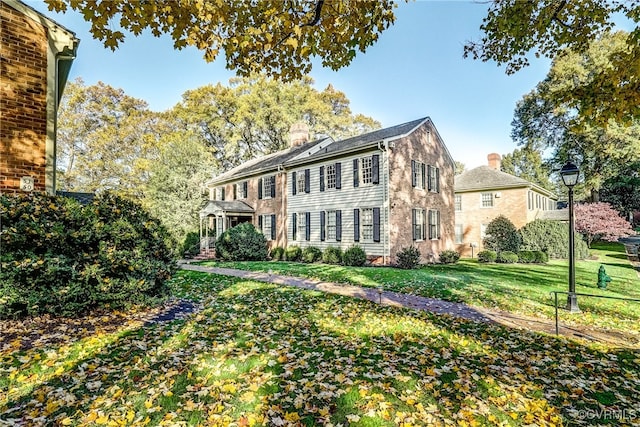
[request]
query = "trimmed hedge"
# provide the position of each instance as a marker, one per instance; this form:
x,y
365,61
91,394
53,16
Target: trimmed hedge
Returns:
x,y
526,257
62,258
242,243
540,257
487,256
552,237
277,253
293,253
507,257
354,257
449,257
408,258
332,255
311,254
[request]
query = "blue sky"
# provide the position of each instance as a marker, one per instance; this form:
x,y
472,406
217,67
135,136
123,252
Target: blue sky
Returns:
x,y
416,69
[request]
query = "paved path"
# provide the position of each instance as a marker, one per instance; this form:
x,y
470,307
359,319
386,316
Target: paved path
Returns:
x,y
479,314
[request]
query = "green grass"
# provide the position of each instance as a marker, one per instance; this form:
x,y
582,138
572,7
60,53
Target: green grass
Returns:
x,y
259,354
518,288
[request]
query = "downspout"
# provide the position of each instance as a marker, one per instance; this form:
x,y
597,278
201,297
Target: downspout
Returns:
x,y
384,146
57,95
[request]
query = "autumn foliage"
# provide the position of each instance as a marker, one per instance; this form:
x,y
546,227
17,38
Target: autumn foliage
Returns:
x,y
62,258
599,221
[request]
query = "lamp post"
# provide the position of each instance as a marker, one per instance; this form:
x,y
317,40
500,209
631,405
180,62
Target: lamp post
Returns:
x,y
570,173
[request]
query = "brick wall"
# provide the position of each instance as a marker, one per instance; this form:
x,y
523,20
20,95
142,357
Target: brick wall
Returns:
x,y
422,145
23,100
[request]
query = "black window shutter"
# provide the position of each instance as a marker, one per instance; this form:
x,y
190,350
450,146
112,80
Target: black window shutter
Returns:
x,y
307,229
375,168
376,224
413,173
437,180
294,184
273,226
260,222
338,226
356,225
355,172
322,231
423,176
429,172
437,224
338,175
307,180
245,187
222,193
321,178
424,223
260,188
413,224
235,191
273,186
294,226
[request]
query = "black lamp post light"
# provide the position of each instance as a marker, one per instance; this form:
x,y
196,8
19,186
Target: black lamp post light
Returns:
x,y
570,174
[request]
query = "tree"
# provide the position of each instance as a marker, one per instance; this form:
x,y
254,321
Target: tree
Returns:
x,y
252,116
623,191
515,29
527,163
543,120
599,221
502,235
101,134
275,37
460,167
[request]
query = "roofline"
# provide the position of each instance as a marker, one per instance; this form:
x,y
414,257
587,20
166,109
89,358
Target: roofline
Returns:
x,y
44,20
544,191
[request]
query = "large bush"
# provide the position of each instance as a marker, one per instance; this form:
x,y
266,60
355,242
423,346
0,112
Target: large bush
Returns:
x,y
61,258
526,257
311,254
242,243
449,257
191,245
293,253
507,257
487,256
551,237
502,235
408,258
354,256
277,253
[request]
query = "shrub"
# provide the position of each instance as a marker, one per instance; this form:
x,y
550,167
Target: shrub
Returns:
x,y
191,245
449,257
551,237
540,257
487,256
332,255
293,253
61,258
311,254
408,258
354,256
526,257
242,243
507,257
277,253
502,235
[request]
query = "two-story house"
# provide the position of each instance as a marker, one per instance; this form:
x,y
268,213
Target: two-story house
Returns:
x,y
484,193
383,190
37,54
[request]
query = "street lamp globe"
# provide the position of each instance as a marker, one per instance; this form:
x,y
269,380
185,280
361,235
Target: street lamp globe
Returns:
x,y
569,174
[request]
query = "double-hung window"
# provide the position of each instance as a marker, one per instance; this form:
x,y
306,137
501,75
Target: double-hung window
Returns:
x,y
418,174
331,176
487,200
418,224
434,224
366,170
241,190
458,202
367,224
459,231
267,224
266,188
300,181
331,225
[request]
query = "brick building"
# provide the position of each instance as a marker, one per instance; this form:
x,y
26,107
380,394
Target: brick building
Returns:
x,y
383,190
483,193
36,55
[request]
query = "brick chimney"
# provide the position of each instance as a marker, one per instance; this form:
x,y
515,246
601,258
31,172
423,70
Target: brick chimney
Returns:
x,y
494,161
298,134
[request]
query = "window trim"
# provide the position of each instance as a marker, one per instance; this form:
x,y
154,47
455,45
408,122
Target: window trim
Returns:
x,y
482,200
363,224
457,202
460,240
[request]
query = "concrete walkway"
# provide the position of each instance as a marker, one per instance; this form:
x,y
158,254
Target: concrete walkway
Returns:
x,y
478,314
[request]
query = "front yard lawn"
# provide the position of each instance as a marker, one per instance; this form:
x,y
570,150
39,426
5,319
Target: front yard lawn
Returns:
x,y
259,354
518,288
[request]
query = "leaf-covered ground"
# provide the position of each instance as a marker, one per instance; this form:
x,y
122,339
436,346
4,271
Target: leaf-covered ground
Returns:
x,y
517,288
258,354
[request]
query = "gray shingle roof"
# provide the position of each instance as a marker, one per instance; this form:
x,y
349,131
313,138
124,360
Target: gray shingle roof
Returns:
x,y
213,207
484,177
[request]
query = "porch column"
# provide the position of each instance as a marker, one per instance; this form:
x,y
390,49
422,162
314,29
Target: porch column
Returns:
x,y
224,222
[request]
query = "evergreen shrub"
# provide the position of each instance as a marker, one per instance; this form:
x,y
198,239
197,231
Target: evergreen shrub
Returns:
x,y
354,256
507,257
540,257
449,257
62,258
332,255
502,235
190,245
552,237
242,243
311,254
526,257
408,258
487,256
277,253
293,253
